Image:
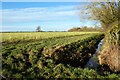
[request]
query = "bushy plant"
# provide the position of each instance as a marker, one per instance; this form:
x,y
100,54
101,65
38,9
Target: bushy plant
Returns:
x,y
111,48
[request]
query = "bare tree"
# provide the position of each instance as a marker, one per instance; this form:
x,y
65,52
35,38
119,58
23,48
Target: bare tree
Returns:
x,y
38,29
103,12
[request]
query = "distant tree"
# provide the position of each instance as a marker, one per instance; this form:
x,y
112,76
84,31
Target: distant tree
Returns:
x,y
84,28
38,29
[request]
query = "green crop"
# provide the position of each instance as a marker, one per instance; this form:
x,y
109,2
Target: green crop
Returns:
x,y
15,37
51,57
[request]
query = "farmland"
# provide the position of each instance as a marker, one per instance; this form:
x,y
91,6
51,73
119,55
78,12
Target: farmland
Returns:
x,y
49,54
87,48
14,37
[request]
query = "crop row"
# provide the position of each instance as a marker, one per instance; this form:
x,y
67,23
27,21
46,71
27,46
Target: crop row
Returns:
x,y
16,37
30,60
76,53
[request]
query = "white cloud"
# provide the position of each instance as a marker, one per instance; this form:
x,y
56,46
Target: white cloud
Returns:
x,y
38,13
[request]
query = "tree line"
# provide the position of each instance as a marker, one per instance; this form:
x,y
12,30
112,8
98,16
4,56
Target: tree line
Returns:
x,y
85,28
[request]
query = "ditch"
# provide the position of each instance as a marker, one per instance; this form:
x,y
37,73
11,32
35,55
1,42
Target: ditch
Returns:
x,y
93,61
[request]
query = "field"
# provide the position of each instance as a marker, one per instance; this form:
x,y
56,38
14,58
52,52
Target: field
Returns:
x,y
13,37
50,55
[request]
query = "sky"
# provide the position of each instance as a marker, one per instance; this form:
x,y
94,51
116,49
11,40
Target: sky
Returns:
x,y
51,16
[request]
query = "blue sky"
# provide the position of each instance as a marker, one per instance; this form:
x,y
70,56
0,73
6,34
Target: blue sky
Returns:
x,y
51,16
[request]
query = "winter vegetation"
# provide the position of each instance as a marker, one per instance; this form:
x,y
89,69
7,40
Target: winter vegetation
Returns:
x,y
53,55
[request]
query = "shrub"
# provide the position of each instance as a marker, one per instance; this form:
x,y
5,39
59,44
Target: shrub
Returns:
x,y
111,49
